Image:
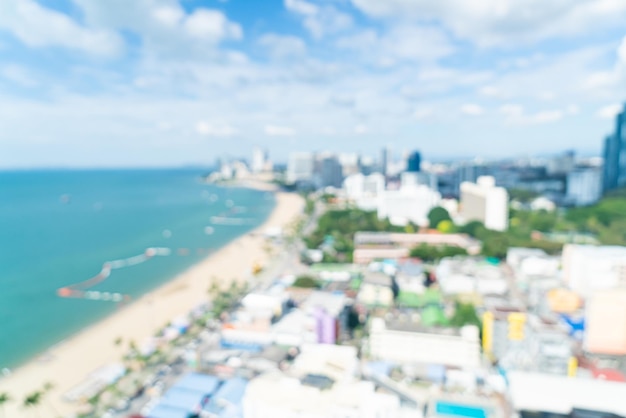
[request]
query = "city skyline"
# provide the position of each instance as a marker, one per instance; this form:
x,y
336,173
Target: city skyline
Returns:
x,y
169,83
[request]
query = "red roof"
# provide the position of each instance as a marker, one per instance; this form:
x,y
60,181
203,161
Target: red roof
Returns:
x,y
609,374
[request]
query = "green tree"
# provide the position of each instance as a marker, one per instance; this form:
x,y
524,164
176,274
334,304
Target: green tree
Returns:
x,y
465,314
445,227
472,229
522,195
436,215
32,401
306,282
4,399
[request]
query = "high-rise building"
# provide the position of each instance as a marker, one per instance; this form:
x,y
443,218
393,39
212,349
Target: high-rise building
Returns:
x,y
483,201
614,175
258,160
584,186
384,161
301,167
414,162
331,171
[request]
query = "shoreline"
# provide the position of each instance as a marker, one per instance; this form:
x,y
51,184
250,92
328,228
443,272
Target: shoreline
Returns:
x,y
73,359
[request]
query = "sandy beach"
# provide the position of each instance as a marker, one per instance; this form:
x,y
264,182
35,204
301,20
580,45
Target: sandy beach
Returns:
x,y
72,360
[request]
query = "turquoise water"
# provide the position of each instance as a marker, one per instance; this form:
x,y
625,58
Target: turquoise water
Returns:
x,y
47,242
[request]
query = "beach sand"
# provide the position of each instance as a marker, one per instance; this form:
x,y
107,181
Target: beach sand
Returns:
x,y
72,360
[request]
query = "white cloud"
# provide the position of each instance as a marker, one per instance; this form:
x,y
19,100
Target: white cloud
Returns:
x,y
210,129
515,114
609,112
360,129
546,116
489,91
572,109
165,28
211,25
281,46
400,43
422,113
319,21
498,22
37,26
19,75
512,110
276,130
301,7
612,80
472,109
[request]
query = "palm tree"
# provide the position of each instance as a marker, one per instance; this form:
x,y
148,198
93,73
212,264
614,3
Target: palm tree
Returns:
x,y
4,399
47,387
32,401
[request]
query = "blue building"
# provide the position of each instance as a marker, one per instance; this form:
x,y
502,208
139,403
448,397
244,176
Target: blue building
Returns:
x,y
414,162
614,174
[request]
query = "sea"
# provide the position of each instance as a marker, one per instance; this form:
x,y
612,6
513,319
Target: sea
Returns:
x,y
59,227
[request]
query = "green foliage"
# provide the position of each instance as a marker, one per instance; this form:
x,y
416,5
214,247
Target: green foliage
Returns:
x,y
465,314
472,228
431,253
436,215
341,225
309,206
433,316
522,195
605,219
307,282
445,227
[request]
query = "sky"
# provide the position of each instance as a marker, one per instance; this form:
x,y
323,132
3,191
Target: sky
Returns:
x,y
122,83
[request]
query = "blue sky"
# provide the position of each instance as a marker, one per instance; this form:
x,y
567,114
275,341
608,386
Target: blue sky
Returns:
x,y
169,82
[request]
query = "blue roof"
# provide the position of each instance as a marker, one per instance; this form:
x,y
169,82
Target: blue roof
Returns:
x,y
165,411
181,398
226,403
198,382
459,410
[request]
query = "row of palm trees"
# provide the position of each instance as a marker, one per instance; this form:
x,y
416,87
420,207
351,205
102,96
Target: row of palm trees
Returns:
x,y
31,401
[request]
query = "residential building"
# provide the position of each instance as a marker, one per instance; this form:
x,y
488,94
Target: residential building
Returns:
x,y
406,343
484,202
258,160
331,171
537,394
605,323
363,190
587,268
412,179
584,186
561,165
371,246
300,167
614,174
409,204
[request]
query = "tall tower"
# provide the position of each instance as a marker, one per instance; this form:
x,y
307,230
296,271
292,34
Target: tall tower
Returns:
x,y
614,174
414,162
384,160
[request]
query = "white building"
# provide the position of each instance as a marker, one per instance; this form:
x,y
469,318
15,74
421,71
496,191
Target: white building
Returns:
x,y
584,187
301,167
587,268
409,204
546,395
276,395
258,160
483,201
406,343
364,190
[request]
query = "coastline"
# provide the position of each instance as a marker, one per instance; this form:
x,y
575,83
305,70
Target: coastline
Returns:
x,y
73,359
